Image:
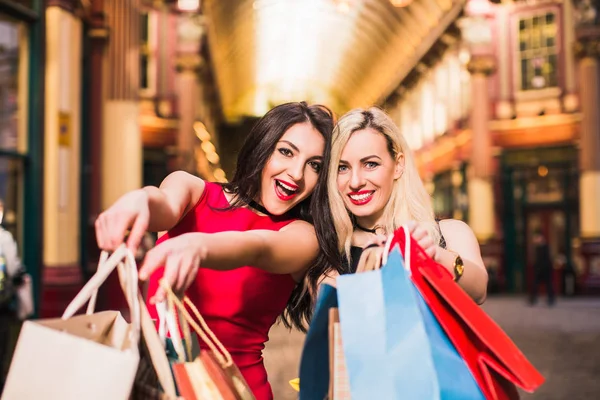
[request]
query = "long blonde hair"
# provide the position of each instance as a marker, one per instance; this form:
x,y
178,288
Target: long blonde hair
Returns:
x,y
409,199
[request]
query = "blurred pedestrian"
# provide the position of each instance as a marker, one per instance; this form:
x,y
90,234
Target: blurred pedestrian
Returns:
x,y
542,268
16,296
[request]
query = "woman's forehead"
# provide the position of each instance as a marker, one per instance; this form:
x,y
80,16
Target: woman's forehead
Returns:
x,y
305,137
365,141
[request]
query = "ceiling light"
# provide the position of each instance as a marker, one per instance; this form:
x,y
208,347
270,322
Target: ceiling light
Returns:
x,y
188,5
208,147
201,131
343,6
400,3
212,157
219,175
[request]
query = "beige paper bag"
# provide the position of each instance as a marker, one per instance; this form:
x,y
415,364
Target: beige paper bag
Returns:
x,y
92,356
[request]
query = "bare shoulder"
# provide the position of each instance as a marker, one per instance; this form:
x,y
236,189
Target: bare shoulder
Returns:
x,y
184,178
456,230
450,224
299,226
183,190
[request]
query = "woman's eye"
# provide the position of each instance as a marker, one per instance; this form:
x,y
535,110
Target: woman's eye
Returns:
x,y
342,169
316,166
371,164
286,152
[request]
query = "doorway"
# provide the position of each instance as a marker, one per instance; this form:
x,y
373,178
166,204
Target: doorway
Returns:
x,y
552,224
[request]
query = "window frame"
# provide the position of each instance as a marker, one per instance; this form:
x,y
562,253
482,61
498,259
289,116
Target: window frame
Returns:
x,y
533,94
32,157
149,49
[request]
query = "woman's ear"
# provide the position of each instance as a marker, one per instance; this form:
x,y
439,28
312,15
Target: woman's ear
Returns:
x,y
399,169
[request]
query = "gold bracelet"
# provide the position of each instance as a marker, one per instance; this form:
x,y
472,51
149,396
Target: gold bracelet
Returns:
x,y
459,266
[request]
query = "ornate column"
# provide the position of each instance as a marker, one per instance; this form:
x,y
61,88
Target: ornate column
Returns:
x,y
480,185
477,36
98,33
120,153
187,100
587,50
121,139
61,274
188,65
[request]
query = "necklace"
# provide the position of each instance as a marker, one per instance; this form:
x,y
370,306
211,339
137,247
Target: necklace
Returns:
x,y
259,208
374,230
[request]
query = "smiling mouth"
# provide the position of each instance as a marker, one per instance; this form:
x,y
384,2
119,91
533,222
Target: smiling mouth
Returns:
x,y
362,197
285,190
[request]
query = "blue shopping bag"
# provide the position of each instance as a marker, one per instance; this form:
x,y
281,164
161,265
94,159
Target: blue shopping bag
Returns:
x,y
314,364
393,346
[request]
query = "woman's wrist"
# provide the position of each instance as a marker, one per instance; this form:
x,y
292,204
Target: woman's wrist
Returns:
x,y
445,258
198,240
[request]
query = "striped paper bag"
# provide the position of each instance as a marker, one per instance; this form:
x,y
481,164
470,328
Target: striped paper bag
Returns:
x,y
339,385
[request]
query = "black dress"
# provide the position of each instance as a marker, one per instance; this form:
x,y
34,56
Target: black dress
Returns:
x,y
356,252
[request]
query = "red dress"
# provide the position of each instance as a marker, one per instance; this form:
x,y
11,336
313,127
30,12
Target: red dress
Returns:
x,y
239,305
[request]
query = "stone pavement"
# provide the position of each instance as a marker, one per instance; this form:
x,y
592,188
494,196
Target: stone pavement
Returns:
x,y
563,342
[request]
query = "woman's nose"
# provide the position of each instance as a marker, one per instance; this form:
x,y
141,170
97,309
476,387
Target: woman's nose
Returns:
x,y
296,171
356,180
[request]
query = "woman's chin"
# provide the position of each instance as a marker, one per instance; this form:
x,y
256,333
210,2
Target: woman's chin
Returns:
x,y
359,211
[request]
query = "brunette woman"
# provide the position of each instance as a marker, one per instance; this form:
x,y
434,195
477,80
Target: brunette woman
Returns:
x,y
248,251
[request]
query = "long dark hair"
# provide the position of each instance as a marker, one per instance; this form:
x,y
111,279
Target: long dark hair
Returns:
x,y
246,183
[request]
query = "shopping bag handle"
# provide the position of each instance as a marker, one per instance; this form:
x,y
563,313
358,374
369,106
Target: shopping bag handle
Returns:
x,y
91,308
203,331
157,352
129,283
167,323
388,245
128,280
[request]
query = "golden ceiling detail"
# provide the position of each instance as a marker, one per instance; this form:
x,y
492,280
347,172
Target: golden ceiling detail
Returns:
x,y
266,52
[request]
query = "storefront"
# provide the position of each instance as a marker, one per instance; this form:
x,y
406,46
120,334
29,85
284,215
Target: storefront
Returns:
x,y
450,194
21,127
540,190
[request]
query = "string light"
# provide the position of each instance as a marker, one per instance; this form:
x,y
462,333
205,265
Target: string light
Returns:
x,y
208,150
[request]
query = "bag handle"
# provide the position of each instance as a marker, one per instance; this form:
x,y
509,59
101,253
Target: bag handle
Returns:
x,y
129,281
168,324
92,303
202,330
157,352
388,245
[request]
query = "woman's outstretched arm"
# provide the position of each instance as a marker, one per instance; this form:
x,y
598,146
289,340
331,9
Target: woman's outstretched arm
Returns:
x,y
148,209
290,250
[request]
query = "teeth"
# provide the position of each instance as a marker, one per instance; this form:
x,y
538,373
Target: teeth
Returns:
x,y
361,197
291,189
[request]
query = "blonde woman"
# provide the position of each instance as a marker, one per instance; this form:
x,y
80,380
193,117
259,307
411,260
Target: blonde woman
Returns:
x,y
374,188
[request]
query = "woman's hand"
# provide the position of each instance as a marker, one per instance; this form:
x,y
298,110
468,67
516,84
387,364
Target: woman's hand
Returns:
x,y
372,255
131,211
181,257
424,239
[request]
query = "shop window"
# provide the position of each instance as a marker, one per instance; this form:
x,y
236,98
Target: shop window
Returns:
x,y
147,54
14,49
13,84
538,51
11,193
443,196
25,3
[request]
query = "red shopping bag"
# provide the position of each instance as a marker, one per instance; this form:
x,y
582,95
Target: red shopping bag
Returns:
x,y
495,361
